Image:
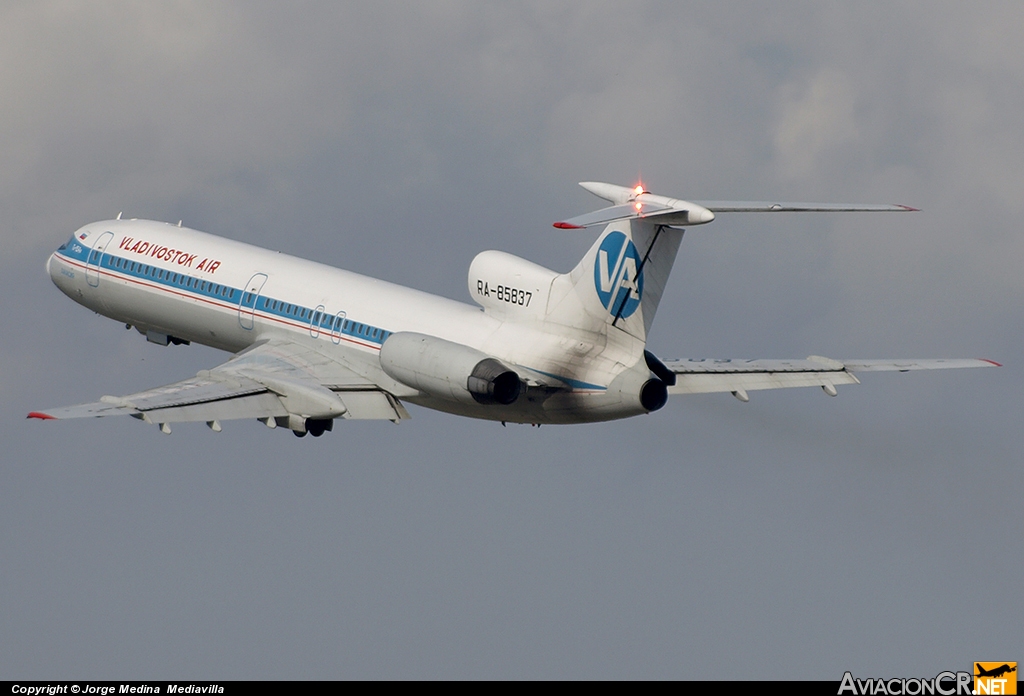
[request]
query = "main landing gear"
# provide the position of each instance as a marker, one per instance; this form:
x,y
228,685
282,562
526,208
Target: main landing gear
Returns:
x,y
316,427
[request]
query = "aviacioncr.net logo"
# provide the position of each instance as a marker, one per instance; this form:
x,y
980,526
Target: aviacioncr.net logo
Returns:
x,y
619,285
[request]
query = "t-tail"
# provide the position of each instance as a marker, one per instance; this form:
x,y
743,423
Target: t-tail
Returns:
x,y
616,288
620,282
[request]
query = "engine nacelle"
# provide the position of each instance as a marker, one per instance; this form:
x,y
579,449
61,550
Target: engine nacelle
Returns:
x,y
639,390
448,370
502,282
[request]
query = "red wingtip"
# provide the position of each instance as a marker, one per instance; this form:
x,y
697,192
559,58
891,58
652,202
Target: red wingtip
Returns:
x,y
908,208
993,362
567,226
40,416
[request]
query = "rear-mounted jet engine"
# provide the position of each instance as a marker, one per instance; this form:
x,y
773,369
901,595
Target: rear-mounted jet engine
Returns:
x,y
449,371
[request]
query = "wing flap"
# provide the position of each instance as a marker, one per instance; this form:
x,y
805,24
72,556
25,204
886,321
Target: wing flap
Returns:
x,y
372,405
264,405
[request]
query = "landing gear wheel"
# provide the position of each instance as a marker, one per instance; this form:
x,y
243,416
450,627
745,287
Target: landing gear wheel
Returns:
x,y
299,433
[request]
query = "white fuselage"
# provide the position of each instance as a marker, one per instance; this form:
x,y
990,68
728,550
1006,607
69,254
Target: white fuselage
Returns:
x,y
177,283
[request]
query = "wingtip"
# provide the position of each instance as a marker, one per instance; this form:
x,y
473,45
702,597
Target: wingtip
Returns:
x,y
991,362
40,416
567,226
908,208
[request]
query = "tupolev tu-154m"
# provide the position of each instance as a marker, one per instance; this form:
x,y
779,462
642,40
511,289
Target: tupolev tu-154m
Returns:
x,y
312,343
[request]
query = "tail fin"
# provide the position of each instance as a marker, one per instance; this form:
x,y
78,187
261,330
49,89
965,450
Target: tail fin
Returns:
x,y
619,282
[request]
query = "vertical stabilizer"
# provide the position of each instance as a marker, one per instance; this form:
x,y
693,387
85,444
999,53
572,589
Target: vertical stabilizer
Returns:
x,y
619,282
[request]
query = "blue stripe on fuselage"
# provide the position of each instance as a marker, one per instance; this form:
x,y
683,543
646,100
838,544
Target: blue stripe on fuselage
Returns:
x,y
296,315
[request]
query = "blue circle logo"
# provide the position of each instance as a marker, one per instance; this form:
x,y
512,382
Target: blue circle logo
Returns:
x,y
617,275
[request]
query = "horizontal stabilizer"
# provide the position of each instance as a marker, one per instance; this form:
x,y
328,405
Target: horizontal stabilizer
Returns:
x,y
636,203
779,207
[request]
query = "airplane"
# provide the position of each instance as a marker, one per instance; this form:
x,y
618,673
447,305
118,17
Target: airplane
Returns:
x,y
995,672
312,343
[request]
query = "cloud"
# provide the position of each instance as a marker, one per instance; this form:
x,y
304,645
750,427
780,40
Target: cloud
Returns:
x,y
815,120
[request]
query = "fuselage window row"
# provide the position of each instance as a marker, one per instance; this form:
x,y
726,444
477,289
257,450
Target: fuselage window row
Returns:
x,y
317,318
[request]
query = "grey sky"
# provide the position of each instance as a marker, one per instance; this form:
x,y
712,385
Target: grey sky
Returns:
x,y
795,536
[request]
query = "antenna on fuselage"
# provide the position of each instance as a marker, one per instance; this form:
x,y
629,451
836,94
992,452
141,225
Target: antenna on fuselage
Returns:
x,y
179,223
119,215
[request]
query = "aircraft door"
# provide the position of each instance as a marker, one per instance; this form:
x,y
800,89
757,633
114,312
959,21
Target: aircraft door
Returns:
x,y
316,321
336,325
250,296
92,265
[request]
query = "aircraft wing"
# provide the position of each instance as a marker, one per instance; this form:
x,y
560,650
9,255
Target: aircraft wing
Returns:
x,y
740,376
271,379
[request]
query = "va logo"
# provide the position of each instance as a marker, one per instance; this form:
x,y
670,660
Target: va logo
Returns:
x,y
618,284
